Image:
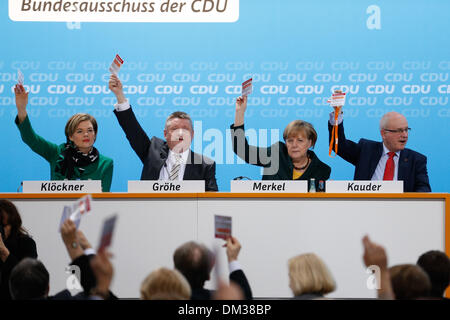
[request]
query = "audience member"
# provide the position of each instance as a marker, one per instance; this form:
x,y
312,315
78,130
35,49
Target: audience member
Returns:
x,y
15,244
375,255
165,284
309,277
437,265
409,282
195,261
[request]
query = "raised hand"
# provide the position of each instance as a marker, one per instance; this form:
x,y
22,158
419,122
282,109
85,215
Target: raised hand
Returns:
x,y
21,101
241,106
116,87
233,248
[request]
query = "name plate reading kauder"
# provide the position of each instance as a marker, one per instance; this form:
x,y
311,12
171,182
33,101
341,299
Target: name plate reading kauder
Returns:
x,y
249,186
364,186
166,186
63,186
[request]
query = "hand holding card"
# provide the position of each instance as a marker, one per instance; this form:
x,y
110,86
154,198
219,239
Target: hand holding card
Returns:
x,y
75,211
247,87
107,233
337,99
115,65
20,77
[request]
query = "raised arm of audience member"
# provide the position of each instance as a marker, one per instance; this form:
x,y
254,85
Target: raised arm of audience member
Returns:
x,y
103,271
76,242
375,254
84,243
69,237
236,273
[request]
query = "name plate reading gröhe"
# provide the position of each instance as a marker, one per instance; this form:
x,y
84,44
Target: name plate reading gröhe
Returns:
x,y
166,186
249,186
63,186
364,186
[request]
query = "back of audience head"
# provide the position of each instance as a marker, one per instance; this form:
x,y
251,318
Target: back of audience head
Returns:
x,y
409,282
195,261
165,284
437,265
308,274
29,280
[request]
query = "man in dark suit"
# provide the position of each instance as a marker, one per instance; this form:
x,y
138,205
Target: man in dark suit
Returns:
x,y
164,160
387,160
195,261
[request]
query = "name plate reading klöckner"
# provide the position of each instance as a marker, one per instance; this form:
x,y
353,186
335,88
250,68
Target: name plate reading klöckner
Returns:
x,y
163,186
248,186
364,186
63,186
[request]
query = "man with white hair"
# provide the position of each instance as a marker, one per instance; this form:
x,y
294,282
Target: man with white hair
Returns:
x,y
387,160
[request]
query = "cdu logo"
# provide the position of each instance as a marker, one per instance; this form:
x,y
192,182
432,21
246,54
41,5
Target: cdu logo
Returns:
x,y
374,280
73,282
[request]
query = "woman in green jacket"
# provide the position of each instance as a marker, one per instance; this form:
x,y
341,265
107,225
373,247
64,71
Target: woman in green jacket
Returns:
x,y
73,160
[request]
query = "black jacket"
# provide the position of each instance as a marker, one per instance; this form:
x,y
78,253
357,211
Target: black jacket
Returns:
x,y
237,276
262,157
19,248
154,152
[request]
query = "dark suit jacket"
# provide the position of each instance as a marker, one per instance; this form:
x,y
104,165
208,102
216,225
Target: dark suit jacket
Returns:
x,y
237,276
365,155
19,248
253,155
153,153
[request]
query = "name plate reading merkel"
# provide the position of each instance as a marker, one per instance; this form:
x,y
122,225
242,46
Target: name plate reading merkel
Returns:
x,y
166,186
274,186
364,186
63,186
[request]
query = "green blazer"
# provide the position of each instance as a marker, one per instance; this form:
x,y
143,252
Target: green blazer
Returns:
x,y
102,169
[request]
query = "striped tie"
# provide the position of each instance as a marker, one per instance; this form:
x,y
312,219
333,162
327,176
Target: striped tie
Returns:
x,y
176,168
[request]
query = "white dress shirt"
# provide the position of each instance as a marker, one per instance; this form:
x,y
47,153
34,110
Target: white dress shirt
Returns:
x,y
379,171
170,163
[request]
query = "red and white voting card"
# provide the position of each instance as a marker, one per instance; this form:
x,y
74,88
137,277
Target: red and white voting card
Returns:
x,y
222,227
20,77
107,232
337,99
247,87
115,65
77,210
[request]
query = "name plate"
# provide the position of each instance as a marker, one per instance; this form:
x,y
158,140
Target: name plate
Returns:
x,y
364,186
166,186
274,186
63,186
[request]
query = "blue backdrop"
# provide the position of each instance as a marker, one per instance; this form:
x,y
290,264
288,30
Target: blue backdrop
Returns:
x,y
394,56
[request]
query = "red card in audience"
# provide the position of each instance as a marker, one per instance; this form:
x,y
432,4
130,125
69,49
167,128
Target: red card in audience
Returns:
x,y
107,232
222,227
247,87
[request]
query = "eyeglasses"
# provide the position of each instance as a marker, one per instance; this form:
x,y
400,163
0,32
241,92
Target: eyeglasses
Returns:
x,y
405,130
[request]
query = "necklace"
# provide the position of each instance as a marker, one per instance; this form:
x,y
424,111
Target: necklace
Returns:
x,y
302,168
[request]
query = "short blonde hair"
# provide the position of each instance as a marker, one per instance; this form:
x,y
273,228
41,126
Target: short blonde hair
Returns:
x,y
297,126
309,274
75,120
165,284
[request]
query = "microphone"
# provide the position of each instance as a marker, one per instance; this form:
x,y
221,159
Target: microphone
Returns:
x,y
242,178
